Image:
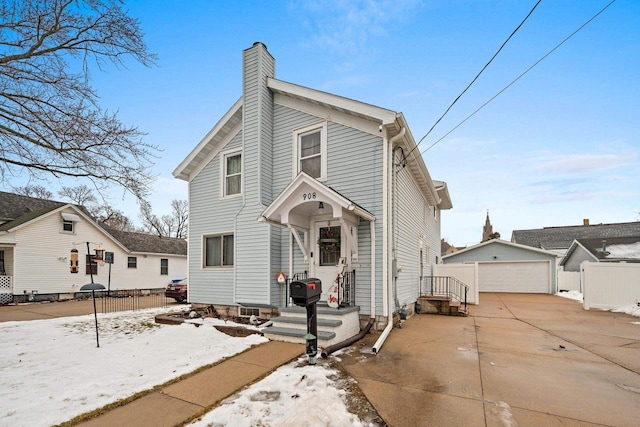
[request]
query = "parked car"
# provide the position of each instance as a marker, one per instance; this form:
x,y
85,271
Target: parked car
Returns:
x,y
177,290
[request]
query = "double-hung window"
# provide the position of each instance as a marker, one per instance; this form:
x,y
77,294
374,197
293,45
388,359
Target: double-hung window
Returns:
x,y
231,174
218,250
310,151
164,266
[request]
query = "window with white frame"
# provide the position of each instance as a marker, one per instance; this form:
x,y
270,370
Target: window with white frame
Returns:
x,y
310,151
68,222
218,250
164,266
231,174
132,262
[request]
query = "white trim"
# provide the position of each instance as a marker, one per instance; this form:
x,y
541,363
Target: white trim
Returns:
x,y
203,251
192,159
223,172
305,130
370,126
342,103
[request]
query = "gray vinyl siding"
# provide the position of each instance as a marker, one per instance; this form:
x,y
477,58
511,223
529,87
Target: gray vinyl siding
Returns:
x,y
576,258
357,177
208,214
253,239
414,221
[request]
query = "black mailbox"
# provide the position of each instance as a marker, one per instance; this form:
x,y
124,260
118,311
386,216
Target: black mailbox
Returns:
x,y
305,292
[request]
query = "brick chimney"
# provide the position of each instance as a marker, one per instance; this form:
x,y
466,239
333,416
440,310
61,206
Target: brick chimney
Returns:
x,y
585,221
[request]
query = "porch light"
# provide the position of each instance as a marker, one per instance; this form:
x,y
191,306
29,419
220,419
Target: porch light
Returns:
x,y
321,207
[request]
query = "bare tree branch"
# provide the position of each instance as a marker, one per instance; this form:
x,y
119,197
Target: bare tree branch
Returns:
x,y
50,120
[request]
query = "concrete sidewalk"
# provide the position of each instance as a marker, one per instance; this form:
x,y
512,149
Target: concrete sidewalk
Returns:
x,y
195,395
519,359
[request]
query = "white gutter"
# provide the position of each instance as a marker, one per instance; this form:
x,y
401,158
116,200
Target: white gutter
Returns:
x,y
386,289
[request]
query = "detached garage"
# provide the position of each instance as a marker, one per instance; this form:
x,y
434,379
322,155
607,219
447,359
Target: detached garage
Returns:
x,y
509,267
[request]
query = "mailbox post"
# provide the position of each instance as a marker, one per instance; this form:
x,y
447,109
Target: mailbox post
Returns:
x,y
306,293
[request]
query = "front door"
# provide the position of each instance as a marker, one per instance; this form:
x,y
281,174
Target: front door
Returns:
x,y
328,250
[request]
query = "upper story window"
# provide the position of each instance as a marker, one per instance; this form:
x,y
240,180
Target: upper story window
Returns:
x,y
67,226
231,174
310,151
69,222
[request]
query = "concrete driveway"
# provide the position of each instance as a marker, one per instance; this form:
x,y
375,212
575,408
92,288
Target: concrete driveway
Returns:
x,y
518,360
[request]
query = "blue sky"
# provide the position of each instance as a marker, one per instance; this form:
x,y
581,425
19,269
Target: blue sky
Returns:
x,y
561,144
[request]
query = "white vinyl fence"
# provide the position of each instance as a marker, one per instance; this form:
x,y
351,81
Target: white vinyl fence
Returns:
x,y
466,273
569,281
610,285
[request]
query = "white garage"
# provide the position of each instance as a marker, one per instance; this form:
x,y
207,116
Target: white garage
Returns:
x,y
509,267
514,276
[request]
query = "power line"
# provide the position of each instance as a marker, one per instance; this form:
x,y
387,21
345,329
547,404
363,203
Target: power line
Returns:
x,y
476,77
520,76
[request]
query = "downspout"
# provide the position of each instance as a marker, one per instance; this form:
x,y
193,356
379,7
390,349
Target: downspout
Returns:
x,y
372,231
385,285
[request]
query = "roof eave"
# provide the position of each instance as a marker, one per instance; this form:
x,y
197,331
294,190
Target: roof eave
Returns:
x,y
183,171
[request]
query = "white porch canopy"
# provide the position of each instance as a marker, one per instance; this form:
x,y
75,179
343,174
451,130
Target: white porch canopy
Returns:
x,y
305,197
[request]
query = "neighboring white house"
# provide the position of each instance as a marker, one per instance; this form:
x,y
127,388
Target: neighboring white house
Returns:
x,y
293,180
37,237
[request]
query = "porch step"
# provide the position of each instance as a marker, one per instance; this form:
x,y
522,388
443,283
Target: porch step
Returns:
x,y
331,323
298,333
334,325
442,305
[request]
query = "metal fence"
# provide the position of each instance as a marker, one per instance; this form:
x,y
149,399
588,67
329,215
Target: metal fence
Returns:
x,y
132,299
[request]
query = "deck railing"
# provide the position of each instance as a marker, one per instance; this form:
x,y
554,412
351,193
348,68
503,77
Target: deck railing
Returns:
x,y
444,286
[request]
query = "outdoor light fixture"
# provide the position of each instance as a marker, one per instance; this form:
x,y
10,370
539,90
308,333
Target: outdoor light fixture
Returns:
x,y
321,207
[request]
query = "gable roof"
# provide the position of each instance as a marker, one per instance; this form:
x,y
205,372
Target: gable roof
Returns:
x,y
13,206
392,121
612,249
17,210
562,237
499,242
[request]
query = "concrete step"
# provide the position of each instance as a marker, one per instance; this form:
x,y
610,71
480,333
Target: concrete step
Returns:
x,y
334,325
295,335
322,322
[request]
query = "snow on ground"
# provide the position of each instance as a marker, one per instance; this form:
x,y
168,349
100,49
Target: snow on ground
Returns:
x,y
574,295
296,394
54,366
633,310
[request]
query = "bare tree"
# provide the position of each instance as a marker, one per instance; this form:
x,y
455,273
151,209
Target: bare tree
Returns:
x,y
172,225
50,120
37,191
79,195
114,218
84,196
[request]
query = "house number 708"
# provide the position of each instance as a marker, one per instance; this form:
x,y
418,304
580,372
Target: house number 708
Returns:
x,y
309,196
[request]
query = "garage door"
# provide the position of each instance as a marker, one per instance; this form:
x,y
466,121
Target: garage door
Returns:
x,y
530,277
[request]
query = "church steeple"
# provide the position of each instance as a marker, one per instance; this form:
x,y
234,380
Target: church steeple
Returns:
x,y
487,230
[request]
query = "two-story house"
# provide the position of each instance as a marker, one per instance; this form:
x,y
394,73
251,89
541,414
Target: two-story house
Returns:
x,y
294,180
